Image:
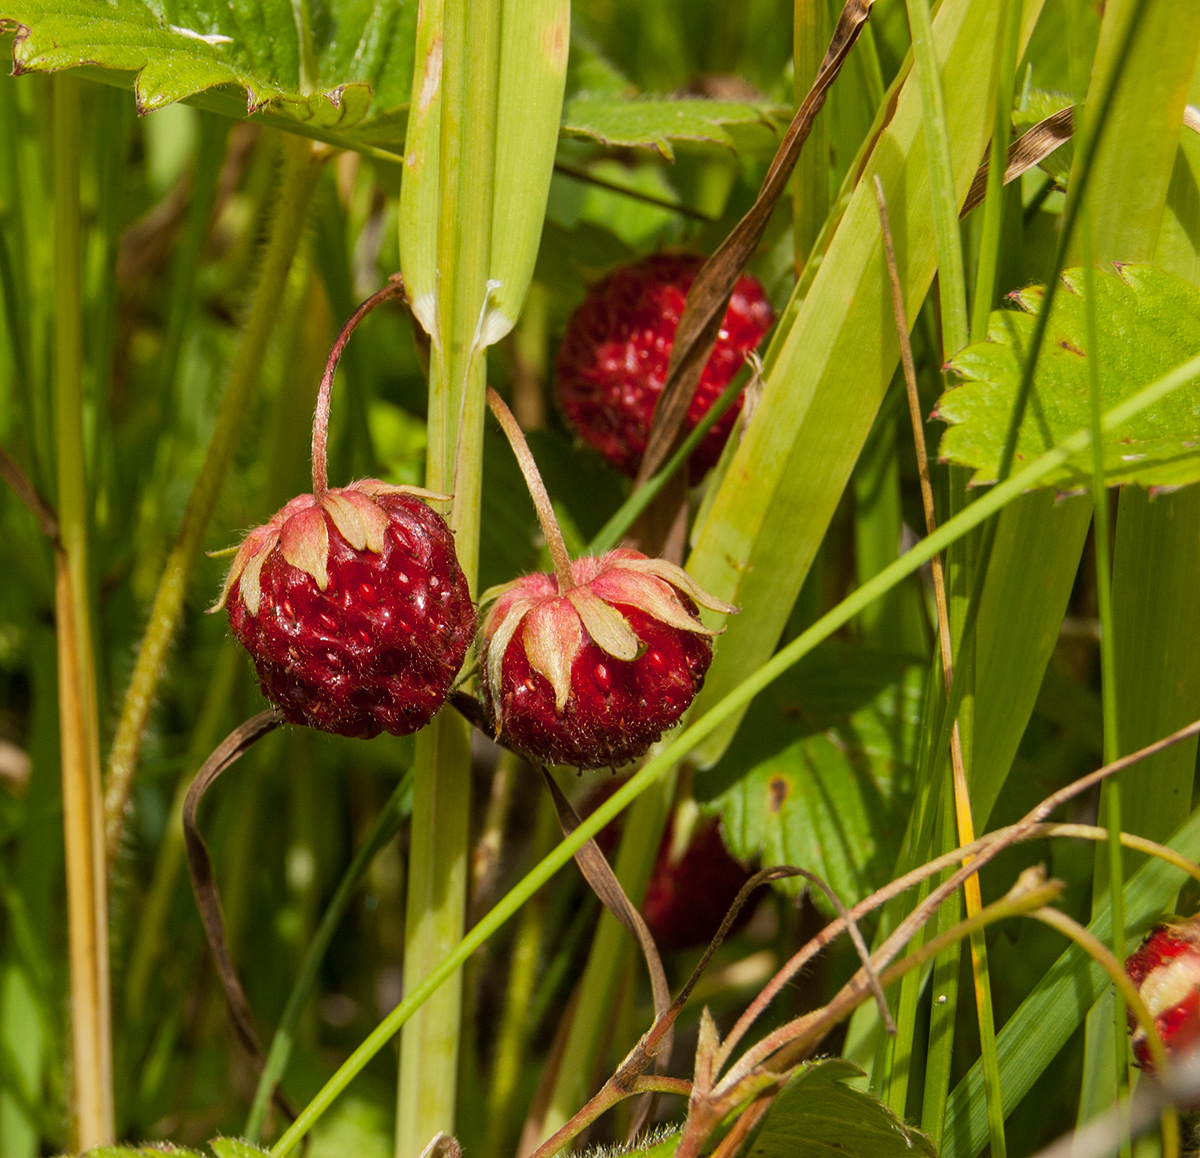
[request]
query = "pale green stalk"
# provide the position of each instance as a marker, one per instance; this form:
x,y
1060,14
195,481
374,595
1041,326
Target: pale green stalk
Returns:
x,y
87,895
302,164
725,709
439,853
1108,663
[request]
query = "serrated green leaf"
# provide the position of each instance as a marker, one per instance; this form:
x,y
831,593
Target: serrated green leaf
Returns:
x,y
819,770
654,122
235,1148
818,1113
1149,323
353,71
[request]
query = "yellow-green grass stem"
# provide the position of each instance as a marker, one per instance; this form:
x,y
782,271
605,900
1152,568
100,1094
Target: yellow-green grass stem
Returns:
x,y
87,893
302,163
677,749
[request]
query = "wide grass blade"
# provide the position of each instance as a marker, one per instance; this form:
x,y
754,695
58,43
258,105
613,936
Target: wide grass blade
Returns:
x,y
825,380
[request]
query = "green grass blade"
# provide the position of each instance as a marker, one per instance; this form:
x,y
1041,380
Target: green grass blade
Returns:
x,y
988,260
952,281
826,382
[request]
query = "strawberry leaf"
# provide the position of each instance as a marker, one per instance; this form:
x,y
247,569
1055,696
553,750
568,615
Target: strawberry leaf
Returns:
x,y
654,122
345,79
818,1114
1148,322
820,770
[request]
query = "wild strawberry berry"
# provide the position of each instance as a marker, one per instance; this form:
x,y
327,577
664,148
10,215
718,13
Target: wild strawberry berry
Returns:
x,y
691,889
590,665
688,896
612,363
591,674
1166,971
351,601
354,609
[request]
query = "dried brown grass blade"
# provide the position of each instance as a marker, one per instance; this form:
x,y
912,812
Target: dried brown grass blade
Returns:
x,y
1028,150
710,292
204,885
599,875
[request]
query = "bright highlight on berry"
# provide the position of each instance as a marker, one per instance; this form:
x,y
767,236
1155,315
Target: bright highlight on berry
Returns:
x,y
613,360
351,601
590,665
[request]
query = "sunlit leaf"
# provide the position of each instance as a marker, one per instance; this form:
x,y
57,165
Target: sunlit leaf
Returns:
x,y
1149,322
655,122
352,68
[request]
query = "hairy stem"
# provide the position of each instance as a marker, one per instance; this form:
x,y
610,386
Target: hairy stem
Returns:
x,y
302,163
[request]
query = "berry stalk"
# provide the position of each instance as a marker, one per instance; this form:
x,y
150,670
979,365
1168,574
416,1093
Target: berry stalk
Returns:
x,y
537,491
320,434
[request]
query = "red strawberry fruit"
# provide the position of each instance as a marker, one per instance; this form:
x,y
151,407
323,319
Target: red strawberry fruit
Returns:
x,y
1166,971
689,895
589,670
612,363
590,665
351,601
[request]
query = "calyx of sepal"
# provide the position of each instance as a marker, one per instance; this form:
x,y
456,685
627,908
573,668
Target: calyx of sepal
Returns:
x,y
301,532
554,621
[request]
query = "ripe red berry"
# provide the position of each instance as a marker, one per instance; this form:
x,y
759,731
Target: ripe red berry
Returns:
x,y
612,363
1166,971
688,896
353,608
591,673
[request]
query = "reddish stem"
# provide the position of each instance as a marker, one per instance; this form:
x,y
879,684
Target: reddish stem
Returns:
x,y
320,466
537,491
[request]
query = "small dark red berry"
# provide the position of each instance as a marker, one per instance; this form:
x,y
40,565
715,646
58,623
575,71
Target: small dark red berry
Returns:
x,y
353,608
612,363
688,896
1166,971
593,673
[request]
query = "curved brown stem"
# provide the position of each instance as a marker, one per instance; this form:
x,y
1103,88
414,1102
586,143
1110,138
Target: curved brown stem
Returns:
x,y
204,884
537,490
320,435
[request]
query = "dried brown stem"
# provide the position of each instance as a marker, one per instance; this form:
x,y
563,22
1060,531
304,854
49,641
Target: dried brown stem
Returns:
x,y
204,884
